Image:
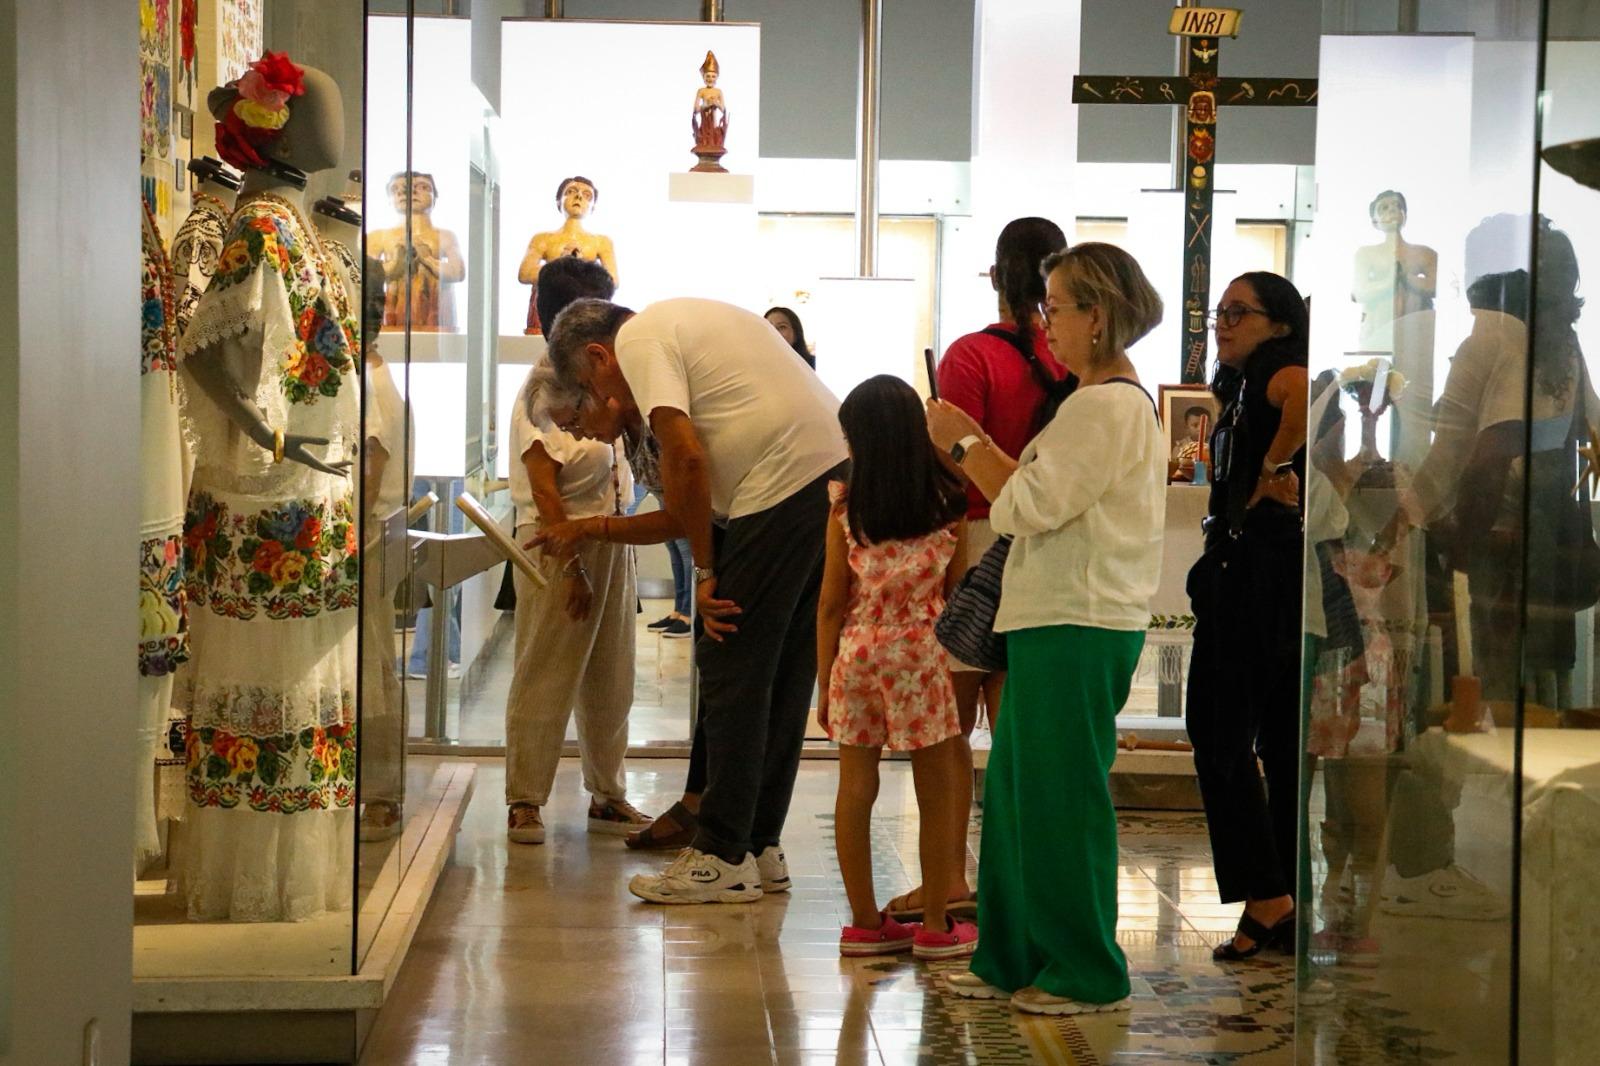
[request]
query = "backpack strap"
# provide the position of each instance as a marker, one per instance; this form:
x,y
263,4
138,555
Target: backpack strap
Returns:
x,y
1055,388
1141,388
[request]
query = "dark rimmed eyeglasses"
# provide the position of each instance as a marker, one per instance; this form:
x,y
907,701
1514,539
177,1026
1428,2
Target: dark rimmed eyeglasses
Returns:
x,y
1232,315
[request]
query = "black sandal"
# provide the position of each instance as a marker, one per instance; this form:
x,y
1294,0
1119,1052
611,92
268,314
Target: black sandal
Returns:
x,y
1263,937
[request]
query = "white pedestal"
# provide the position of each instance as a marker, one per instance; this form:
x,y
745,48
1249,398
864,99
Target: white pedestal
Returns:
x,y
702,188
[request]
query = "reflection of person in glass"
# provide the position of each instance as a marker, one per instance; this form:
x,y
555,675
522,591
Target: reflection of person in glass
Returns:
x,y
1469,491
1526,442
1392,278
1186,449
576,196
435,260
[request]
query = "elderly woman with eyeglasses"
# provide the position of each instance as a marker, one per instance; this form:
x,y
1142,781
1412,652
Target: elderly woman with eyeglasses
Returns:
x,y
1244,677
575,638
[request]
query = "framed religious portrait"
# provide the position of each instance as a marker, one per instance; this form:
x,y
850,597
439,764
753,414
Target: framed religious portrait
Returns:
x,y
1187,414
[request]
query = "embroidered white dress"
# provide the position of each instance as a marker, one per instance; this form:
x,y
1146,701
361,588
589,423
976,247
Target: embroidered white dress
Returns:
x,y
273,572
163,625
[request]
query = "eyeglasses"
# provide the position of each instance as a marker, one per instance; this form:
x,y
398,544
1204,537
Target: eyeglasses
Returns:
x,y
574,423
1048,310
1233,314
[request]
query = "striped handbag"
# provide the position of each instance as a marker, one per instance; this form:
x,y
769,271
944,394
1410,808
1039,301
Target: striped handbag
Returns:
x,y
966,626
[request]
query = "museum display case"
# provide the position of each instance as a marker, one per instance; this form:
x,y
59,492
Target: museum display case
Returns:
x,y
1451,570
285,844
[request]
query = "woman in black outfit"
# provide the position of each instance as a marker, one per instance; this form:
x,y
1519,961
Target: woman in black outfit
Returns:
x,y
1244,678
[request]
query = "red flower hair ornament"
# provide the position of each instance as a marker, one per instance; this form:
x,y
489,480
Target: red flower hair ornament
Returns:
x,y
253,110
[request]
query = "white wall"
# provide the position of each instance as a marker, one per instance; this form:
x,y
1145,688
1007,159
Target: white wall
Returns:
x,y
69,384
625,125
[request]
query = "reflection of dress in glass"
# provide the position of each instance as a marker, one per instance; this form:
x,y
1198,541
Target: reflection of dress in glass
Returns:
x,y
163,614
270,551
195,250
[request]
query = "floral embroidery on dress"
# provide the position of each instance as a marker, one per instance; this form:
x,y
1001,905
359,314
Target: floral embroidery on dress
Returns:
x,y
293,561
325,335
163,607
195,251
312,769
156,325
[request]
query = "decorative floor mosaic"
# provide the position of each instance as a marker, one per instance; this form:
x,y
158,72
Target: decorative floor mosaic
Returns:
x,y
540,955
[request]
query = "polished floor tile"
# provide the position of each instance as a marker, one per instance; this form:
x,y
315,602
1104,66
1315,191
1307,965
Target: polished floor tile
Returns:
x,y
540,955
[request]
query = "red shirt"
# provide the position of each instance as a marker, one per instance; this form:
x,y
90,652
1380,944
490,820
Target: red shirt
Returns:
x,y
989,379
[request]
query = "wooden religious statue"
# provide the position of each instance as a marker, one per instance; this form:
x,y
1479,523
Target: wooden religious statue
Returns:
x,y
710,121
417,286
576,196
1393,278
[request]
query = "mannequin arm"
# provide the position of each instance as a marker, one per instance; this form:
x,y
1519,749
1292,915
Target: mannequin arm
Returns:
x,y
528,272
210,370
608,259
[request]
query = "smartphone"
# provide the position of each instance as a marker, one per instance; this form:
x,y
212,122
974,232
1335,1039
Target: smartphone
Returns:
x,y
933,373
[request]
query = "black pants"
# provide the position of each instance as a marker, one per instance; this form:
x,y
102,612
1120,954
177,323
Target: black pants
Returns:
x,y
755,685
1244,703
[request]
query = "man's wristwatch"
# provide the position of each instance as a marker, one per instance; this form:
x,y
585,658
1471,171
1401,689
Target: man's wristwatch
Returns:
x,y
958,450
1276,470
702,574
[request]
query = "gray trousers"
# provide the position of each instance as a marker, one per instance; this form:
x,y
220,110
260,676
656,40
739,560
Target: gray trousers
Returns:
x,y
755,686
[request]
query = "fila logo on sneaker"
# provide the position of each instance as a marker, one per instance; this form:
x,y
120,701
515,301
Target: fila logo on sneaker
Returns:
x,y
703,874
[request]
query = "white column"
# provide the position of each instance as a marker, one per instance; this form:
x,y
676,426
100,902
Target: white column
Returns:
x,y
69,510
1025,140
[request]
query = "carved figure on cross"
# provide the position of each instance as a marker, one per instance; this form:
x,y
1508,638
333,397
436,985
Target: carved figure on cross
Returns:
x,y
1199,91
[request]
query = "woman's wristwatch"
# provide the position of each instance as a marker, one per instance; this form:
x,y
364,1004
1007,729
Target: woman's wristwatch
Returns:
x,y
959,450
702,574
1273,470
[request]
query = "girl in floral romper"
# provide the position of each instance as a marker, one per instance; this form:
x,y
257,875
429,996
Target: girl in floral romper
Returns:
x,y
884,679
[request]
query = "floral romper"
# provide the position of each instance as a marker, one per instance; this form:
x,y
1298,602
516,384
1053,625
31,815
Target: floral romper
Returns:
x,y
890,684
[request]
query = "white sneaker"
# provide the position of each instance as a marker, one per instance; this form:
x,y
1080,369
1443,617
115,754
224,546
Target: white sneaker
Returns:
x,y
969,985
774,870
1035,1000
1447,893
695,877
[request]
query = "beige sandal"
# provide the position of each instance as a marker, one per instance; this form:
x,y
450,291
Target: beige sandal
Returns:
x,y
901,908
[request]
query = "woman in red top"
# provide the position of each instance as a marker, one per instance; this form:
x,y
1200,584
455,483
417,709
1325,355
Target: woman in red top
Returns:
x,y
1007,380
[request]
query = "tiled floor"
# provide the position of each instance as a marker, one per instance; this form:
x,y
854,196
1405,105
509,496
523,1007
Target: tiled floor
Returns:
x,y
539,955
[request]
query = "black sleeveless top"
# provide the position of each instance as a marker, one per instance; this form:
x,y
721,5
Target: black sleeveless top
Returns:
x,y
1239,442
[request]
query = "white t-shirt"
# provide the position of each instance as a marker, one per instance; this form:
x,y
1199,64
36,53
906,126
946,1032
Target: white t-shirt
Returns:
x,y
768,424
1088,507
386,423
585,480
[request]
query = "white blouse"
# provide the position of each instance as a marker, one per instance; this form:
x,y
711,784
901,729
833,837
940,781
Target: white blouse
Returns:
x,y
1087,506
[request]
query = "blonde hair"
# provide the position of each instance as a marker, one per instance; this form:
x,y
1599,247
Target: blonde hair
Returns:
x,y
1105,276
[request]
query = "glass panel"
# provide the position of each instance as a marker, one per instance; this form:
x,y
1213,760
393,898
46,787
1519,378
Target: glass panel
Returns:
x,y
1560,748
389,832
250,687
1414,524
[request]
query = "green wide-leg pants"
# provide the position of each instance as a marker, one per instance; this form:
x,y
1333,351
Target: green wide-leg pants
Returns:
x,y
1047,877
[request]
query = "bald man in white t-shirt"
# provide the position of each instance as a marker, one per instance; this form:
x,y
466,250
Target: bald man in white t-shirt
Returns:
x,y
749,439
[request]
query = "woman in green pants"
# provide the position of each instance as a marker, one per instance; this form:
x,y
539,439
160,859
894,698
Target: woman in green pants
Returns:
x,y
1086,503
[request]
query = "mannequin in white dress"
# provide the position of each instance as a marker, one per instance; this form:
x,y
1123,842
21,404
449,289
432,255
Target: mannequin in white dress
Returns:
x,y
269,365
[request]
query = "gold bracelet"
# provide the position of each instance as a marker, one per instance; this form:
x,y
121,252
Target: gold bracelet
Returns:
x,y
277,445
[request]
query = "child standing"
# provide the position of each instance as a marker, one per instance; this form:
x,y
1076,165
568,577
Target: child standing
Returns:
x,y
885,682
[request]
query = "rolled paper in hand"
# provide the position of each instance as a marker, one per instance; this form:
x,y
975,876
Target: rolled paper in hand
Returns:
x,y
502,540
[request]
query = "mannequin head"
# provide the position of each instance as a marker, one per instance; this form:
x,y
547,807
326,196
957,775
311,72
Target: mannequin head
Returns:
x,y
1388,211
309,140
414,197
576,196
709,71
